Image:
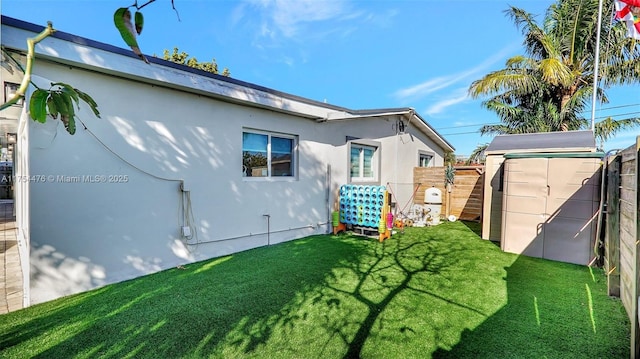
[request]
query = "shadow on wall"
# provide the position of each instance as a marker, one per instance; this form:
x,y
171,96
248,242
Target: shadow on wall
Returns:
x,y
88,234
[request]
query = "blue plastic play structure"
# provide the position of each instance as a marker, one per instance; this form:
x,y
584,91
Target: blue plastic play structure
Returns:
x,y
361,205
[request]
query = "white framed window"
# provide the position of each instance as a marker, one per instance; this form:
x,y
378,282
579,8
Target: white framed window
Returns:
x,y
364,161
10,90
268,155
425,159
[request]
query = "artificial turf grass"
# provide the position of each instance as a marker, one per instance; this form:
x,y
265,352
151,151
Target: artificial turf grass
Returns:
x,y
437,291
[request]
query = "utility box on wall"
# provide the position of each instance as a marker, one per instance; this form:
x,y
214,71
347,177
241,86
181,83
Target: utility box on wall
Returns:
x,y
550,205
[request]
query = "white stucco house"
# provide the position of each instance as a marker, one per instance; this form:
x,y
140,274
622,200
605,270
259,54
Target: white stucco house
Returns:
x,y
183,165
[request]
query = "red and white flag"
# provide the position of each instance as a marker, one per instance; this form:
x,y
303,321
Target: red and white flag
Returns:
x,y
628,11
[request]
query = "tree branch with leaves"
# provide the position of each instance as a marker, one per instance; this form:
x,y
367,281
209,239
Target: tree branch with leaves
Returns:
x,y
182,58
59,101
549,87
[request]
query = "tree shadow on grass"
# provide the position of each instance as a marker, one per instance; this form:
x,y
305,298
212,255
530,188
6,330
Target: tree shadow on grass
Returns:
x,y
382,276
394,301
323,296
554,310
179,312
438,290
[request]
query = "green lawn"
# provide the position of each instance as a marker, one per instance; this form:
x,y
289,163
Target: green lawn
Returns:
x,y
439,292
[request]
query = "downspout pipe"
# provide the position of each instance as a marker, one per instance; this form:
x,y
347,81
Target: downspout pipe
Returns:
x,y
268,217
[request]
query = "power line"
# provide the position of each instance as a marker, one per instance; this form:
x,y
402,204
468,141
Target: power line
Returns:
x,y
475,124
498,123
459,133
613,107
601,117
620,114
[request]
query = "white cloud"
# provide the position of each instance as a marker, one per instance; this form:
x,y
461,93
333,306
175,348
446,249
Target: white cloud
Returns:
x,y
438,83
384,20
287,18
275,24
456,97
237,14
429,86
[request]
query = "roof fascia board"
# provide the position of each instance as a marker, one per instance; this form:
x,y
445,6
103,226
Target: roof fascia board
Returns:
x,y
431,132
71,50
542,150
408,113
344,115
115,64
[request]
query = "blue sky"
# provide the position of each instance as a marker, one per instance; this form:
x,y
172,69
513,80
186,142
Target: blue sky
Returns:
x,y
355,54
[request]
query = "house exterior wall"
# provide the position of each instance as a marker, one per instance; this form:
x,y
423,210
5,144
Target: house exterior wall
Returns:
x,y
398,152
107,204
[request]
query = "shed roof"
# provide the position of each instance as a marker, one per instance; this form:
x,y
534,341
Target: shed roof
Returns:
x,y
565,141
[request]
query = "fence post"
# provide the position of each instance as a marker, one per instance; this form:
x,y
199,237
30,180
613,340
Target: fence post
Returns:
x,y
612,232
635,328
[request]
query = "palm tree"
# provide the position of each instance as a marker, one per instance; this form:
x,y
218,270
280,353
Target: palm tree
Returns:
x,y
478,154
608,127
549,88
449,158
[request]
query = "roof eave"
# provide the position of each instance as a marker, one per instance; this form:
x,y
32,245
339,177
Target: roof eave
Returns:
x,y
432,133
71,50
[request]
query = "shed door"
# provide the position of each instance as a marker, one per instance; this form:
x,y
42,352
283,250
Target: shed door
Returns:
x,y
524,204
571,206
549,207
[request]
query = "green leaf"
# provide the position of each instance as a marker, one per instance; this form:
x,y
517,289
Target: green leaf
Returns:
x,y
89,101
69,90
69,101
70,125
51,106
64,104
38,105
60,103
86,98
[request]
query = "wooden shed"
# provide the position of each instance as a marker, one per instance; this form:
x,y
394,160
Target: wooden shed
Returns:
x,y
541,194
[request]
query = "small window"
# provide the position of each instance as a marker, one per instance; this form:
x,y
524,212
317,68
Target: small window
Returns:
x,y
10,90
363,162
424,159
268,155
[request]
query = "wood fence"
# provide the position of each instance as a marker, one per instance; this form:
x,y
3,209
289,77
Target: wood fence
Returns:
x,y
465,199
622,258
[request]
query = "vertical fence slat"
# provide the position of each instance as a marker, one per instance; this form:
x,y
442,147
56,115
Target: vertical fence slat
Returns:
x,y
622,253
635,328
612,233
466,198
